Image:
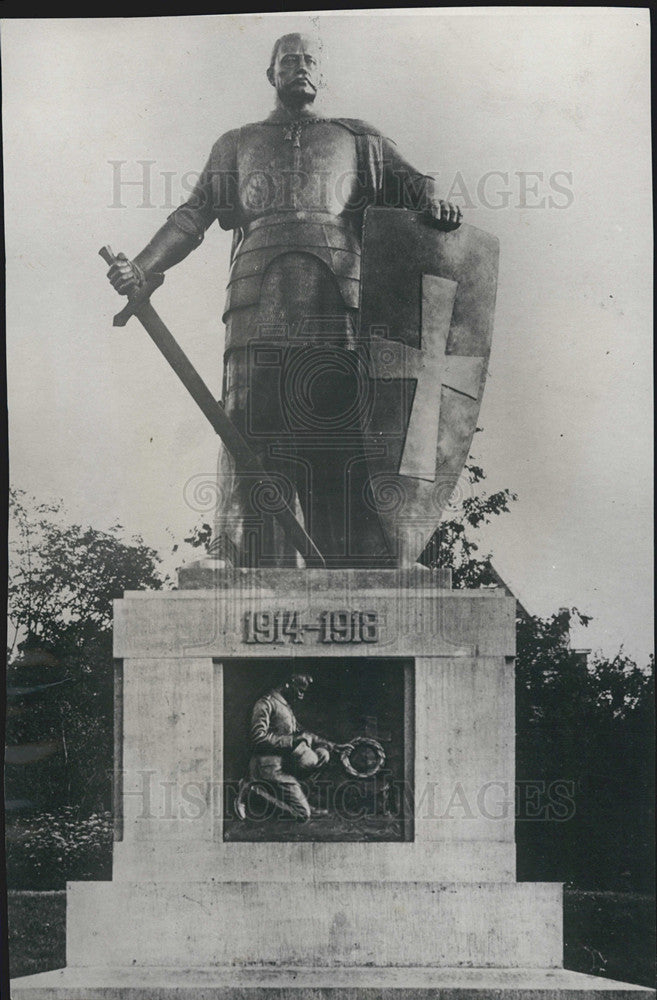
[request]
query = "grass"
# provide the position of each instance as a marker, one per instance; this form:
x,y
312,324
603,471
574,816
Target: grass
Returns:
x,y
36,932
605,933
610,934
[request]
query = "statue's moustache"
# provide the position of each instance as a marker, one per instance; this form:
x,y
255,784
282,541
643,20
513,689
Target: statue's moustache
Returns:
x,y
304,79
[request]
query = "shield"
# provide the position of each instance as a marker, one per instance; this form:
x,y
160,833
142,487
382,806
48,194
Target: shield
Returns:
x,y
426,316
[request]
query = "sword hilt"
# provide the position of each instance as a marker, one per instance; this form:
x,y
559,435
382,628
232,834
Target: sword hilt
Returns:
x,y
136,298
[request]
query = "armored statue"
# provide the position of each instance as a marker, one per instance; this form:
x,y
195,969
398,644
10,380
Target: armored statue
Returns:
x,y
293,189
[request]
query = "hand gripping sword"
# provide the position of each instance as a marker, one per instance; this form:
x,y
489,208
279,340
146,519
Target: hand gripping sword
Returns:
x,y
139,305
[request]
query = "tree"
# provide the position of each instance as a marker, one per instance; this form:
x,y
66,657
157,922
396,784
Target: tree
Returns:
x,y
454,544
63,577
581,723
62,580
585,731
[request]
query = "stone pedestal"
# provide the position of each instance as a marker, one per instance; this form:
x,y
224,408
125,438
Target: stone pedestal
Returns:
x,y
434,911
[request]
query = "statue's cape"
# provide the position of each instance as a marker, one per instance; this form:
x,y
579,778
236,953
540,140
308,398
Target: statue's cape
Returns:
x,y
356,126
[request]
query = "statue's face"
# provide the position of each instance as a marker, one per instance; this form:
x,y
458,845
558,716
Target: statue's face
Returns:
x,y
299,685
295,73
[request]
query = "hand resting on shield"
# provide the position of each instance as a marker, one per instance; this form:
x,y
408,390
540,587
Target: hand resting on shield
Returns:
x,y
444,214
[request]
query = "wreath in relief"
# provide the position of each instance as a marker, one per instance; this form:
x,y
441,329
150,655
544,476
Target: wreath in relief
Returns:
x,y
363,757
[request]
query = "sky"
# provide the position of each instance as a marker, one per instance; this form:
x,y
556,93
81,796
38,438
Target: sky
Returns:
x,y
535,120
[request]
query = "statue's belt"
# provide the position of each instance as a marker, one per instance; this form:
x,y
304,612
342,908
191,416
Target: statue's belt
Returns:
x,y
301,218
329,238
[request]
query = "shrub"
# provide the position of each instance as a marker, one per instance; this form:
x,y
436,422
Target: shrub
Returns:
x,y
47,849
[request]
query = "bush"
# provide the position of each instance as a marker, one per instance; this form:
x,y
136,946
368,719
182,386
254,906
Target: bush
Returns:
x,y
46,850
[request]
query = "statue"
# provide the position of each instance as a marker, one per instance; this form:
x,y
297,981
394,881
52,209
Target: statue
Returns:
x,y
294,189
283,752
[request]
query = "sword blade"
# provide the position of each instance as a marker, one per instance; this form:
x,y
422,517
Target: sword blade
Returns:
x,y
214,412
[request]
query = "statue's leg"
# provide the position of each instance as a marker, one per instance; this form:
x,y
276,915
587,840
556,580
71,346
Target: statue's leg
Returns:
x,y
292,796
325,396
296,387
246,531
283,786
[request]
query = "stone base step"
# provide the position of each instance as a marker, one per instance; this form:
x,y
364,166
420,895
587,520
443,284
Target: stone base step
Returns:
x,y
314,924
269,983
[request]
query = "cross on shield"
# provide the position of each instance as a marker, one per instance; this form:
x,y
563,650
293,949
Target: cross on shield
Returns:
x,y
427,306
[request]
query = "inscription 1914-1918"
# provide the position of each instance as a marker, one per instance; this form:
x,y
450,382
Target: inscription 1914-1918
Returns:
x,y
282,627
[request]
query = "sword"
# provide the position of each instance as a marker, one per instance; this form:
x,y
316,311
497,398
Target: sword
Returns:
x,y
139,305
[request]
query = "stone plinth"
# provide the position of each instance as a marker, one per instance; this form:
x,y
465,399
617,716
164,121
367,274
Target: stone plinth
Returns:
x,y
174,647
469,861
435,914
